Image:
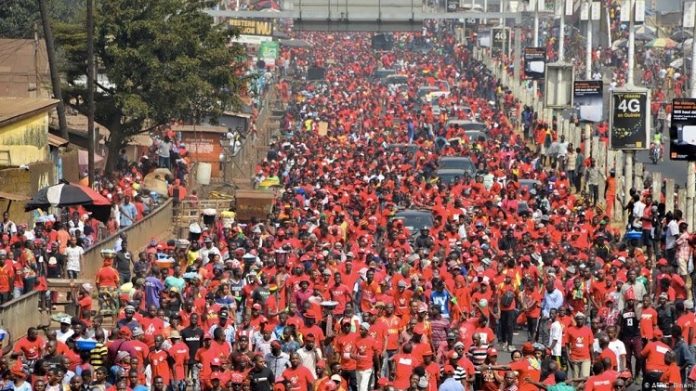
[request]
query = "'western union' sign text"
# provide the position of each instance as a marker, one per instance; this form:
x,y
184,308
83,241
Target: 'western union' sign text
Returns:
x,y
252,26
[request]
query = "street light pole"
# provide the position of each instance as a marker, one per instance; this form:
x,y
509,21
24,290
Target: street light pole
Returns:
x,y
588,44
535,43
631,44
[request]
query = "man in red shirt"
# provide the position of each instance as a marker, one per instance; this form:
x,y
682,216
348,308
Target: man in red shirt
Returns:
x,y
402,367
578,340
29,348
297,377
179,352
654,355
107,276
344,347
601,381
159,361
366,356
527,374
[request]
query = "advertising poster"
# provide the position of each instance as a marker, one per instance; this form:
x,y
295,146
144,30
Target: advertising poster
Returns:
x,y
629,120
588,99
682,133
534,63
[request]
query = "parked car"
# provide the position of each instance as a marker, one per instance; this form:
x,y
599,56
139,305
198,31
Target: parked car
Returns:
x,y
457,163
450,175
415,219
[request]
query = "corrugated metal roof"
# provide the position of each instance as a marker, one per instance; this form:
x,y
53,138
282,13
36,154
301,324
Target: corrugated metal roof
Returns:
x,y
15,109
56,141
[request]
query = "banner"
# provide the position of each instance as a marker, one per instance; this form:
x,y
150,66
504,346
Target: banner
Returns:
x,y
588,99
252,26
682,133
534,63
501,37
484,38
269,52
630,112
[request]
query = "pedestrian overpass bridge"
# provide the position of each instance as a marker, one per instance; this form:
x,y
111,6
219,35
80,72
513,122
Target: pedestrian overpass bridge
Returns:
x,y
364,15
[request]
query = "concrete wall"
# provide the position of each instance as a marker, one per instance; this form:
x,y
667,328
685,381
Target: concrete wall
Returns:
x,y
154,226
18,315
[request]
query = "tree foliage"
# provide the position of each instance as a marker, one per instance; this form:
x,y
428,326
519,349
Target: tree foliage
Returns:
x,y
164,60
18,17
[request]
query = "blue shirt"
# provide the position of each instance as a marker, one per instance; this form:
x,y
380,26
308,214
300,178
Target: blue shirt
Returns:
x,y
128,214
553,300
451,385
441,299
153,287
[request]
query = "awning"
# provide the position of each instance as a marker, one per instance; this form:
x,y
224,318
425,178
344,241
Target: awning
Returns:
x,y
13,196
56,141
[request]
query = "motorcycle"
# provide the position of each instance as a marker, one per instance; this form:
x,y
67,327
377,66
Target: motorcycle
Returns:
x,y
655,153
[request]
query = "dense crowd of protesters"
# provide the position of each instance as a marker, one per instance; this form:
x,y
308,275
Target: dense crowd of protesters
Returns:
x,y
332,292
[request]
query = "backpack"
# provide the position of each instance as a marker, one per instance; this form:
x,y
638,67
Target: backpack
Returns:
x,y
507,299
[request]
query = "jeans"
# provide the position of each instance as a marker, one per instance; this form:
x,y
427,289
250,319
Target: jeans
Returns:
x,y
532,328
178,385
385,363
594,194
163,162
363,378
5,297
351,379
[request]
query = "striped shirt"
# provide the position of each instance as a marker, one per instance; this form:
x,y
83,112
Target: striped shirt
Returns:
x,y
97,356
478,354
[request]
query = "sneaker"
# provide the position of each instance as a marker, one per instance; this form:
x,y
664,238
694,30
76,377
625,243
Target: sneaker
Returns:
x,y
510,348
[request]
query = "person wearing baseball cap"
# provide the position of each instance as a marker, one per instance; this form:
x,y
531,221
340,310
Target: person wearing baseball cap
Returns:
x,y
277,360
179,352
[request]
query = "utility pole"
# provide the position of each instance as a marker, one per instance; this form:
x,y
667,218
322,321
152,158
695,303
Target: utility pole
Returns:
x,y
53,67
90,91
535,43
587,134
630,155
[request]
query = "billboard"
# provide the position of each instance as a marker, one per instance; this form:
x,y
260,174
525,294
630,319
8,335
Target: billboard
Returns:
x,y
588,100
252,26
484,38
682,133
501,37
269,52
534,63
630,119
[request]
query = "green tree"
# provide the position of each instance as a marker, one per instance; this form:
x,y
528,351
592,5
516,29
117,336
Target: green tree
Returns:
x,y
18,17
164,60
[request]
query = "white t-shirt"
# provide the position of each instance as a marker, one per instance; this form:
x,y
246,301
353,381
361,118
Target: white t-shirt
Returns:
x,y
619,350
556,334
72,255
672,234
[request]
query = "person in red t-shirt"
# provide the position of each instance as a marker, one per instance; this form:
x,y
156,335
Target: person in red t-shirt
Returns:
x,y
527,374
297,377
179,352
402,367
107,276
601,380
366,356
159,361
578,340
344,347
29,348
654,354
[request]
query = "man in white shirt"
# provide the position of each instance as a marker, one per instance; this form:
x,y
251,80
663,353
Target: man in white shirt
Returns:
x,y
671,236
74,256
638,210
618,347
555,335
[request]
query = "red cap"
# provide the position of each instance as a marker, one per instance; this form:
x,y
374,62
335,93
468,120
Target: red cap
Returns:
x,y
256,306
452,355
449,370
309,338
662,262
492,352
207,336
275,344
125,332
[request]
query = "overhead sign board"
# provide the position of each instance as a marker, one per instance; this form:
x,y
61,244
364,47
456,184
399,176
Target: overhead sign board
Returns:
x,y
682,132
629,119
252,26
534,63
588,100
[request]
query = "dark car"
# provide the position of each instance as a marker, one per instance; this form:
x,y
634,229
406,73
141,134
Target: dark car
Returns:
x,y
456,162
415,219
450,175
